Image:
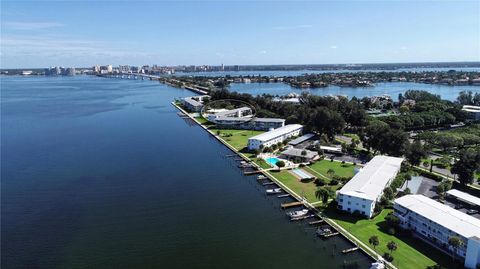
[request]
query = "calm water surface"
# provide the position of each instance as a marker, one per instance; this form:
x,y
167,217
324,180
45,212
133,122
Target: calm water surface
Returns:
x,y
102,173
390,88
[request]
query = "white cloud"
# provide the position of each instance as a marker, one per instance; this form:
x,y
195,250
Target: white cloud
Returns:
x,y
263,52
293,27
333,46
16,25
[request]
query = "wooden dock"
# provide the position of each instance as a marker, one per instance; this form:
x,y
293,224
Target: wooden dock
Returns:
x,y
268,183
252,172
348,250
330,234
292,204
315,222
283,195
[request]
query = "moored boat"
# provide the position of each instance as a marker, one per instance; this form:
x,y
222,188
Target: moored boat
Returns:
x,y
274,191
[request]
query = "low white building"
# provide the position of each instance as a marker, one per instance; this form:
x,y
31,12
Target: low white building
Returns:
x,y
435,223
194,103
270,138
365,189
473,112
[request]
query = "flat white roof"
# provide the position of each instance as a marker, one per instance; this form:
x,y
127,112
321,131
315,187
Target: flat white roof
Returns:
x,y
452,219
370,182
474,109
464,196
302,138
276,132
331,148
232,111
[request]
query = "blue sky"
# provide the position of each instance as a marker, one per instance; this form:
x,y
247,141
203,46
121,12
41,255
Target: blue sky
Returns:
x,y
84,33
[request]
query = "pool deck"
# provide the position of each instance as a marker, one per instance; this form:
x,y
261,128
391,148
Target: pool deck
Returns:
x,y
365,248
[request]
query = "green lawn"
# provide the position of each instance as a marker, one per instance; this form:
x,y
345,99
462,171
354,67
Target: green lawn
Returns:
x,y
342,170
239,138
411,252
304,189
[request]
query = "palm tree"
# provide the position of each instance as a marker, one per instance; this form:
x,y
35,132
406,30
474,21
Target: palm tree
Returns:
x,y
330,172
324,194
373,240
392,246
455,242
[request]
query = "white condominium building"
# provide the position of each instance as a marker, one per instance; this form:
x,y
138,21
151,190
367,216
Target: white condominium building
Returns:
x,y
270,138
365,189
435,223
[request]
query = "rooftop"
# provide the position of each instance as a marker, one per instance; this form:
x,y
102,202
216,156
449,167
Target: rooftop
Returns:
x,y
370,182
464,197
475,109
301,139
298,153
192,101
452,219
277,132
245,119
232,111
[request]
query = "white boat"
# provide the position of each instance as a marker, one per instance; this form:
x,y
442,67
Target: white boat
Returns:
x,y
323,231
377,265
274,191
298,213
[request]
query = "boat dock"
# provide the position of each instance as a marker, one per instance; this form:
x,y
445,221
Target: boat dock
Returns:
x,y
268,183
331,234
252,172
292,204
315,222
283,195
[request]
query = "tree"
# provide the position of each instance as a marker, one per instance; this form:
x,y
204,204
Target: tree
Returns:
x,y
324,194
392,246
331,172
392,221
466,165
443,187
455,242
304,152
373,240
280,164
415,153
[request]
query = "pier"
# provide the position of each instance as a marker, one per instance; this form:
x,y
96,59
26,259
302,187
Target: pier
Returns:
x,y
292,204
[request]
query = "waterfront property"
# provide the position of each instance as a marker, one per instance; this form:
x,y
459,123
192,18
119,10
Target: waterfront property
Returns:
x,y
473,112
362,192
194,103
299,155
435,223
275,136
262,124
242,118
240,112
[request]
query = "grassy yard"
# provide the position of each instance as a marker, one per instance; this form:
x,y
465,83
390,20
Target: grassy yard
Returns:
x,y
342,170
238,138
411,252
304,189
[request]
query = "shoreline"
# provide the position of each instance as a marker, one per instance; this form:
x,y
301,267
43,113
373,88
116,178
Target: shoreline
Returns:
x,y
346,235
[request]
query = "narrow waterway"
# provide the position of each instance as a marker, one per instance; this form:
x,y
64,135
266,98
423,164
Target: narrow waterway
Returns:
x,y
103,173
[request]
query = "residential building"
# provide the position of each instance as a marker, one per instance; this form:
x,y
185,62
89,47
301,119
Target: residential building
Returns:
x,y
473,112
435,223
365,189
299,155
194,103
232,113
274,136
249,123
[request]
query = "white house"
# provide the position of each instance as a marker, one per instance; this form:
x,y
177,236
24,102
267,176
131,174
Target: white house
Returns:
x,y
473,112
269,138
435,223
365,189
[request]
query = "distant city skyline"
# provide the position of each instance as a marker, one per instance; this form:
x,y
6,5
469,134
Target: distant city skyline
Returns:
x,y
39,34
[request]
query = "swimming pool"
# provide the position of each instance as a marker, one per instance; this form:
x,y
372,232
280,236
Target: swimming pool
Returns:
x,y
272,161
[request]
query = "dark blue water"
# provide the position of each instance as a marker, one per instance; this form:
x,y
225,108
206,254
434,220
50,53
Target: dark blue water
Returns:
x,y
102,173
390,88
